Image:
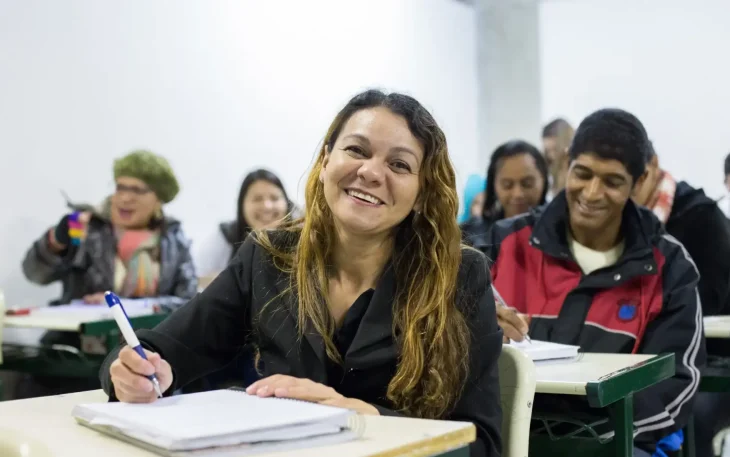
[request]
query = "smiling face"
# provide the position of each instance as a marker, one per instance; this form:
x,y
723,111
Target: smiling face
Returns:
x,y
264,205
370,176
133,204
519,184
597,191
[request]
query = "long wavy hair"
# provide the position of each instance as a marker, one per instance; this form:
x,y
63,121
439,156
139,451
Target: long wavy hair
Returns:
x,y
431,333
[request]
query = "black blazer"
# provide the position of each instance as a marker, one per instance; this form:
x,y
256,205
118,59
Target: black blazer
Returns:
x,y
209,331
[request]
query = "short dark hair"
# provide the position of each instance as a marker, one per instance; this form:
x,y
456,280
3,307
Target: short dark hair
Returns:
x,y
503,151
555,127
613,133
727,165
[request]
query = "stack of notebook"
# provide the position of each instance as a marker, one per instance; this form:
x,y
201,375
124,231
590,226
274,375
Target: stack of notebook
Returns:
x,y
221,423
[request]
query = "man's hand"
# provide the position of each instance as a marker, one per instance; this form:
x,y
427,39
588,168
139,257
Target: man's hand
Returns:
x,y
514,325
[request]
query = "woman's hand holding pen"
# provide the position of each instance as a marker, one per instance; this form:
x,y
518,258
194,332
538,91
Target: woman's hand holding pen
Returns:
x,y
304,389
129,376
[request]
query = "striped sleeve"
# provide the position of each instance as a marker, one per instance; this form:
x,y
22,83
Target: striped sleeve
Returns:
x,y
665,408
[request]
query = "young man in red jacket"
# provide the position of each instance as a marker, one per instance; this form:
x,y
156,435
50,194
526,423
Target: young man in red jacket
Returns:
x,y
593,269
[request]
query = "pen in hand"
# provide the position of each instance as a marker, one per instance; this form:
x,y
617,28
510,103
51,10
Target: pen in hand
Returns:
x,y
120,316
509,318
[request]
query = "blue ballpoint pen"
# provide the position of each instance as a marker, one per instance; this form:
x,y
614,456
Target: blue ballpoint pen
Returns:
x,y
115,305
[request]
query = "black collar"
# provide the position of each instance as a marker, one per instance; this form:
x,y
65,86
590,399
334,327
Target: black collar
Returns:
x,y
638,227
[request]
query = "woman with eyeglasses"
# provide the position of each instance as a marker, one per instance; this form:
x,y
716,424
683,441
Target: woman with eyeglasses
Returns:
x,y
127,245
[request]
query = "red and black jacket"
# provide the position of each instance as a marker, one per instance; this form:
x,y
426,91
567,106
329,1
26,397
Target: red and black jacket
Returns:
x,y
645,303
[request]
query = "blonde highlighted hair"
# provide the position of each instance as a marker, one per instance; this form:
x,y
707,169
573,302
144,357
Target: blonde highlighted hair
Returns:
x,y
431,333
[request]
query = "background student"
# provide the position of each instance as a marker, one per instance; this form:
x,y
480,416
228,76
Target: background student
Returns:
x,y
556,138
473,197
517,181
594,269
369,303
127,245
695,221
262,203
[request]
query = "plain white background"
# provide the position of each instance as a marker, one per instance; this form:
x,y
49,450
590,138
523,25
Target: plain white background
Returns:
x,y
222,87
219,87
667,61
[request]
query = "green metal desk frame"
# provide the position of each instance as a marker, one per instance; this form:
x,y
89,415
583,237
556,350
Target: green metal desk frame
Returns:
x,y
47,362
616,393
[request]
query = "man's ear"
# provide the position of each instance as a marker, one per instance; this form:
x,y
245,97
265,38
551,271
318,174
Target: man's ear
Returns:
x,y
640,182
654,161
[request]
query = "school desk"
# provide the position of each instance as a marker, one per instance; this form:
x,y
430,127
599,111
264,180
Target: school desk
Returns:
x,y
68,362
716,377
606,381
45,425
717,326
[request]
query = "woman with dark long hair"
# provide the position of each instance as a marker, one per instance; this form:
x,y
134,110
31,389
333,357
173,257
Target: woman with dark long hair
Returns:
x,y
517,181
369,303
262,203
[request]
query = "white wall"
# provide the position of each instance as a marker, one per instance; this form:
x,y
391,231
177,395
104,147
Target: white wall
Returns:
x,y
664,60
219,87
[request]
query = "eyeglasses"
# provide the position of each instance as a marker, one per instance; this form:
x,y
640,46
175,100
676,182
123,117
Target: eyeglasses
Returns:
x,y
134,190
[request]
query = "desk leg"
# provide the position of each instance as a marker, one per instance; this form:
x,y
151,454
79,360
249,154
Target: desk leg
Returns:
x,y
623,417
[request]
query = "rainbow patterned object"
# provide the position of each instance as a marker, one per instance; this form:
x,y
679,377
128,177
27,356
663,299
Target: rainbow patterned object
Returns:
x,y
75,229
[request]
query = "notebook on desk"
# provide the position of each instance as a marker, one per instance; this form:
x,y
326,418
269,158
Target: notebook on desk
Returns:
x,y
544,350
221,423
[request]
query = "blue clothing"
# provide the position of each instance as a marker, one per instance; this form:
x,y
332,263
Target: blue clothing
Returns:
x,y
474,185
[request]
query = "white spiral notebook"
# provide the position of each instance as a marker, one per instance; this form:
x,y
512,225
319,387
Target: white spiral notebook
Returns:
x,y
540,351
221,423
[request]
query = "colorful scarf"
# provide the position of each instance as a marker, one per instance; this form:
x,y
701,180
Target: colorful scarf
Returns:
x,y
662,199
137,265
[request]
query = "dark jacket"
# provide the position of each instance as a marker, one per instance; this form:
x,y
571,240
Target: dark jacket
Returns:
x,y
697,222
89,267
248,303
478,226
646,303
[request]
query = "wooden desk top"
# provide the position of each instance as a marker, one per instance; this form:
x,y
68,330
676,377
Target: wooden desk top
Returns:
x,y
603,378
45,426
717,326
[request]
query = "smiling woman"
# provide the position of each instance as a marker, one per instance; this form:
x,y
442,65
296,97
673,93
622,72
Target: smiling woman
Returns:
x,y
127,245
262,203
119,246
369,302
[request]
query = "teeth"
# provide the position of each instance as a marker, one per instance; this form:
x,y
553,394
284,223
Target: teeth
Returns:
x,y
361,196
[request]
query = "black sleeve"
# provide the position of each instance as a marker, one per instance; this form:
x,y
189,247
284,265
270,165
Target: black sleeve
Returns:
x,y
480,400
43,266
708,242
208,332
665,408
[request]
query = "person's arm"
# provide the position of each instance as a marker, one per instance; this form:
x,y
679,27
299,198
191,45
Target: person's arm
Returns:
x,y
205,334
665,408
480,400
49,258
709,246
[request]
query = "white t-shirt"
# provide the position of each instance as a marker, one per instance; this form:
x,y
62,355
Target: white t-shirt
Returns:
x,y
591,260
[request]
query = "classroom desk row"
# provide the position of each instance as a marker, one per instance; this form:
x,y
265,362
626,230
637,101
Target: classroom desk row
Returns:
x,y
605,380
